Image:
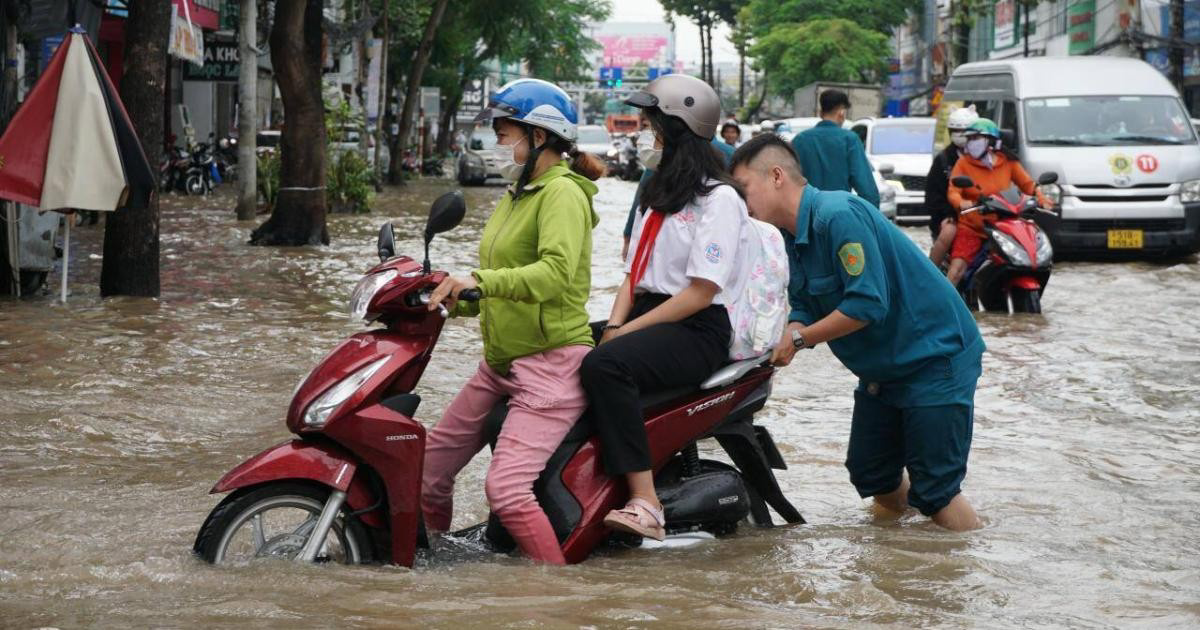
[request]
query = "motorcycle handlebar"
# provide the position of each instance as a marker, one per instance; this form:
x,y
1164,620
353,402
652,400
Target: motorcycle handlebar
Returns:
x,y
470,295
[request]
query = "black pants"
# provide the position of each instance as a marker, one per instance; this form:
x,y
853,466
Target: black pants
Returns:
x,y
660,357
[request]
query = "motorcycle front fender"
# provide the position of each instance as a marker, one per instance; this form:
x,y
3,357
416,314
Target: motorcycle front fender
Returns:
x,y
324,464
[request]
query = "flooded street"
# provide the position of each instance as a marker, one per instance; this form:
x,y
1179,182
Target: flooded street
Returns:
x,y
117,416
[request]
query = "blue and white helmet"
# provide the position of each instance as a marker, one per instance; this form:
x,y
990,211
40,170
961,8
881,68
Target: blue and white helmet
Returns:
x,y
534,102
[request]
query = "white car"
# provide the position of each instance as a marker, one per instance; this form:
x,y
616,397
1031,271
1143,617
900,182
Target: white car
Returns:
x,y
349,140
477,164
596,140
887,190
902,149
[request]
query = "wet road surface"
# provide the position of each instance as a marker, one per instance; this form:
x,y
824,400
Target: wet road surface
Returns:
x,y
116,416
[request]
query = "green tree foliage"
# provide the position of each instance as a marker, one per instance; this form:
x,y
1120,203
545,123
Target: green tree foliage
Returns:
x,y
796,54
796,42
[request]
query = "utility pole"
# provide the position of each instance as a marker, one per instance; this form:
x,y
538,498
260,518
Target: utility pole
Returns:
x,y
381,108
1025,27
1175,51
247,205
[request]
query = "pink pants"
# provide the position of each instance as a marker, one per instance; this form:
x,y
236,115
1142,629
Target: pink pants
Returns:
x,y
546,400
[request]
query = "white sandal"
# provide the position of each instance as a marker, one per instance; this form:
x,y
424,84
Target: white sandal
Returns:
x,y
639,517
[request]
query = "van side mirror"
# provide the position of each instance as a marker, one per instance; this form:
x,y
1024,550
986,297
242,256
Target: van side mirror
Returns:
x,y
1048,178
962,181
886,169
386,245
1008,138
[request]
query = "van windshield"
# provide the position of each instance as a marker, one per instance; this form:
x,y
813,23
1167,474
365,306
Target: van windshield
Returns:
x,y
908,138
1106,121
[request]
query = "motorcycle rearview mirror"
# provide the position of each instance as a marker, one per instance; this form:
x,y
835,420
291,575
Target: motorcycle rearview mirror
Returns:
x,y
387,242
445,214
962,181
1048,178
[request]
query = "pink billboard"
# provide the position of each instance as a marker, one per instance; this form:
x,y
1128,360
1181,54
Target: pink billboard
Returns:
x,y
631,50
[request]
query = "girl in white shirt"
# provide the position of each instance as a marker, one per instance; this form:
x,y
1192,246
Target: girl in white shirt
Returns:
x,y
669,326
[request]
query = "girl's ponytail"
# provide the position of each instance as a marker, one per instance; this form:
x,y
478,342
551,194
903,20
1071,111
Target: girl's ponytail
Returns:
x,y
586,164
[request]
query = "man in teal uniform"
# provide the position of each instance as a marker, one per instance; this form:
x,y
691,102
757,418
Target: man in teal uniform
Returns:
x,y
860,285
833,158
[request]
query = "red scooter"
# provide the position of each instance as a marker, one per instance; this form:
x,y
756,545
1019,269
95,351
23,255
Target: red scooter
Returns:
x,y
1015,263
347,488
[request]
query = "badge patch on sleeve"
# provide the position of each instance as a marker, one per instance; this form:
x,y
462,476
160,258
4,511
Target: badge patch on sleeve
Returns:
x,y
852,258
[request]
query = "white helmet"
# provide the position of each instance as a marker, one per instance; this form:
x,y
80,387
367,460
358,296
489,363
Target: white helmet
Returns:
x,y
961,118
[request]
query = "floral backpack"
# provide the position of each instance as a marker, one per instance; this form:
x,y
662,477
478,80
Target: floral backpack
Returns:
x,y
758,317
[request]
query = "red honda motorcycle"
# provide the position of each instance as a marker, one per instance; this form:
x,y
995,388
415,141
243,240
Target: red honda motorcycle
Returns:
x,y
347,488
1015,262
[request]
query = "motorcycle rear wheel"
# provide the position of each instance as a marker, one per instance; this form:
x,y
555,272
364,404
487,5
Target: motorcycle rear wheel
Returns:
x,y
1026,301
222,538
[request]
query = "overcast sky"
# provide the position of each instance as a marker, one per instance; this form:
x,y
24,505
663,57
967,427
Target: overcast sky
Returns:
x,y
687,35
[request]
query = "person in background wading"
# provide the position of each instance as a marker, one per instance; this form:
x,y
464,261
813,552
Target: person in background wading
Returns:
x,y
669,326
535,259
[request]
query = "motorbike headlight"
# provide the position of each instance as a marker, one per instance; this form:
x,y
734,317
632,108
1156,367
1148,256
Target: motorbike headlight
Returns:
x,y
319,410
1190,191
895,183
1012,249
1053,192
612,153
366,289
1045,252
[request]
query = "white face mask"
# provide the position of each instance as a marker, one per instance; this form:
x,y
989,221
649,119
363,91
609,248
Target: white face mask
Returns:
x,y
507,163
958,138
977,147
647,154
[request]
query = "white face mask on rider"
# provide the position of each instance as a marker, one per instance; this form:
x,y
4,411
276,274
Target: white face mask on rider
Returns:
x,y
647,154
977,147
507,162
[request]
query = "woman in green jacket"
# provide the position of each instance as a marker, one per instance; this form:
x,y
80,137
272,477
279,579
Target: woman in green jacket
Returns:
x,y
535,261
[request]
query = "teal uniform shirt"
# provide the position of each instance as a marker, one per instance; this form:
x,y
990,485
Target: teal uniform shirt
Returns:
x,y
833,158
921,346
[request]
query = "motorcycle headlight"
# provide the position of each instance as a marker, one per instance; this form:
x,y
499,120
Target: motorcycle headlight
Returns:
x,y
1045,252
319,410
1012,249
895,183
612,153
1190,191
366,289
1053,192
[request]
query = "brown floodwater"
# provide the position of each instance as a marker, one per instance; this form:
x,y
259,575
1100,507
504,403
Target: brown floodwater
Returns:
x,y
117,415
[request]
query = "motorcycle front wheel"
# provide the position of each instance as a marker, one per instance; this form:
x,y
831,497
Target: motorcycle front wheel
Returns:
x,y
1026,301
274,521
194,185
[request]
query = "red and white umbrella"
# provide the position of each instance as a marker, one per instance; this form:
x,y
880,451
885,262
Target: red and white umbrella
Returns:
x,y
71,145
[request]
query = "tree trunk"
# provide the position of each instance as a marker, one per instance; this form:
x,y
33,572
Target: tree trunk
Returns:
x,y
413,91
712,68
381,107
762,98
248,112
130,265
9,279
446,128
1176,50
741,76
298,217
703,55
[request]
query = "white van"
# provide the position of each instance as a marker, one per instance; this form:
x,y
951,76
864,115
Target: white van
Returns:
x,y
1117,135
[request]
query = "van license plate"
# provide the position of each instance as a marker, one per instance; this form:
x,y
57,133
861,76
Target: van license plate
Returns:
x,y
1124,239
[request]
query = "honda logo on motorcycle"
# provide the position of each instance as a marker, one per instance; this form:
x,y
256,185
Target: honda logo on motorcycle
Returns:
x,y
403,436
709,403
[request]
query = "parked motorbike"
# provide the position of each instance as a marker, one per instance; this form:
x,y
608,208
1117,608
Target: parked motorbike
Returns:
x,y
1015,262
347,488
202,174
172,172
226,158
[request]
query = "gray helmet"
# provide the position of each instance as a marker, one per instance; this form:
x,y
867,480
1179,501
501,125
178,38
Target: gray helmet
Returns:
x,y
687,98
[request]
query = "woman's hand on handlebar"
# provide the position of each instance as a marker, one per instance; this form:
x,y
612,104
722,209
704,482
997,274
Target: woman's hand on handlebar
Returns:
x,y
447,292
